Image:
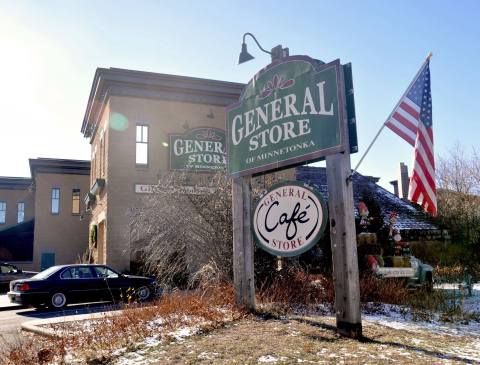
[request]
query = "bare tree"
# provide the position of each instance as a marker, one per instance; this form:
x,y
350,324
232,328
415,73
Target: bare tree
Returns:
x,y
182,227
458,182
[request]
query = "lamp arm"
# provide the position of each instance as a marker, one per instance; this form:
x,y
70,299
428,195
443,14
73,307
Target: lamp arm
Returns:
x,y
255,39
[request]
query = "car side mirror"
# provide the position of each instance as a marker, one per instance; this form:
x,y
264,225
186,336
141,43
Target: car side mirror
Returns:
x,y
19,271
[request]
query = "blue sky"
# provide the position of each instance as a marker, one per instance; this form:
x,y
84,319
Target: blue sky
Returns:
x,y
50,50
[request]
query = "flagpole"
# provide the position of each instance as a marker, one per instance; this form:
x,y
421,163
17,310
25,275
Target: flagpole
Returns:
x,y
354,171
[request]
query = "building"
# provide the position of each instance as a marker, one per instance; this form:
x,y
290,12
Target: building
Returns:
x,y
141,125
414,223
17,210
43,215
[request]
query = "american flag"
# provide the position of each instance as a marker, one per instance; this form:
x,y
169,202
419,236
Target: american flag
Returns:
x,y
412,120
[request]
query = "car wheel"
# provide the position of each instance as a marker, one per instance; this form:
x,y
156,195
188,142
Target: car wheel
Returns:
x,y
58,300
143,293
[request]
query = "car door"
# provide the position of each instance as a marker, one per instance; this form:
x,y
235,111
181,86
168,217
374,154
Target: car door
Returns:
x,y
81,284
113,283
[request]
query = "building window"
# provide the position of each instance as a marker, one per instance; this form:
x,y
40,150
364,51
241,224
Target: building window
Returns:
x,y
20,212
141,156
94,164
102,158
76,201
55,200
3,212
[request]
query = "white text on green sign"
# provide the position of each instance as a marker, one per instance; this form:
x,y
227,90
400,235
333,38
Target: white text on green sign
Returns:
x,y
289,113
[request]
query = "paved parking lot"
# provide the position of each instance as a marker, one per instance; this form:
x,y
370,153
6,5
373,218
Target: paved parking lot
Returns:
x,y
12,315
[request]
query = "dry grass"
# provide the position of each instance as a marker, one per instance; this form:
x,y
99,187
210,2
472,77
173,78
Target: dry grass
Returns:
x,y
24,351
456,273
293,288
294,291
391,291
212,307
312,340
96,341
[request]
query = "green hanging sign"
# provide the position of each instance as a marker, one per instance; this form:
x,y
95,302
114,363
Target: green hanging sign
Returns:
x,y
198,149
291,112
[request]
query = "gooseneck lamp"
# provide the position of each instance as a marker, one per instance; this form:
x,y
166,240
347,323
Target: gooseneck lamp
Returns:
x,y
275,53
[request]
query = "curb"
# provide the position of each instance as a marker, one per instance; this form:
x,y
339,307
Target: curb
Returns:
x,y
10,307
31,326
37,326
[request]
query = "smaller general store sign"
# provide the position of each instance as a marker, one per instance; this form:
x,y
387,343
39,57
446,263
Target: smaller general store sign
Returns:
x,y
144,188
198,149
289,219
194,190
291,112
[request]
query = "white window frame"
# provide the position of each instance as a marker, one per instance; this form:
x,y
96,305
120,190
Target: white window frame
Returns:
x,y
77,199
141,142
3,212
56,199
20,212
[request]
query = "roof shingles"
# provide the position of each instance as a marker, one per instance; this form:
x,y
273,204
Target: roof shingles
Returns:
x,y
409,218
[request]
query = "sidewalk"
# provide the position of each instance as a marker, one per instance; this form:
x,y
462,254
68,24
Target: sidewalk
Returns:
x,y
40,326
5,303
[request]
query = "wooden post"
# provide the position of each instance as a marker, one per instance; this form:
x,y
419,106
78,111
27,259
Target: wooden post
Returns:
x,y
243,274
344,245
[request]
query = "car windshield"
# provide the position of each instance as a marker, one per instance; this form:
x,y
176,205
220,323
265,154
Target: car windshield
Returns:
x,y
46,273
7,269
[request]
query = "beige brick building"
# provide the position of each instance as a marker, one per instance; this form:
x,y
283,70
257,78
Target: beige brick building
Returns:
x,y
16,201
128,120
42,218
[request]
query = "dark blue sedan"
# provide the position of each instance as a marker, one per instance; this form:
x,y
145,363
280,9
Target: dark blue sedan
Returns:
x,y
67,284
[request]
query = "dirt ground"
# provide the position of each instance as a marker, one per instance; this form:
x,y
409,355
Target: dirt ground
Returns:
x,y
312,340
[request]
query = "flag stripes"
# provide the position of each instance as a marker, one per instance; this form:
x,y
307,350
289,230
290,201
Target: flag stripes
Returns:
x,y
412,120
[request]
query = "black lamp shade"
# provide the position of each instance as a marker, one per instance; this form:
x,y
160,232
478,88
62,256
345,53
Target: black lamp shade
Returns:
x,y
244,55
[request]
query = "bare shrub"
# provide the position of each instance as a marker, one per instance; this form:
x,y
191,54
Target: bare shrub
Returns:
x,y
391,291
207,276
293,287
86,257
458,194
24,351
178,229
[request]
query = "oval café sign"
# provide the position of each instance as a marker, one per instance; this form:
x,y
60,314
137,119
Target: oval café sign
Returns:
x,y
289,219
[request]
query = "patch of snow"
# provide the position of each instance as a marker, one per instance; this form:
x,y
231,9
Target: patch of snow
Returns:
x,y
399,318
416,341
270,359
207,355
183,332
267,358
152,341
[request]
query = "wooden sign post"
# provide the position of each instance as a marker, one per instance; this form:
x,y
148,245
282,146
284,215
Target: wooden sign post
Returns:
x,y
243,275
296,110
344,245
